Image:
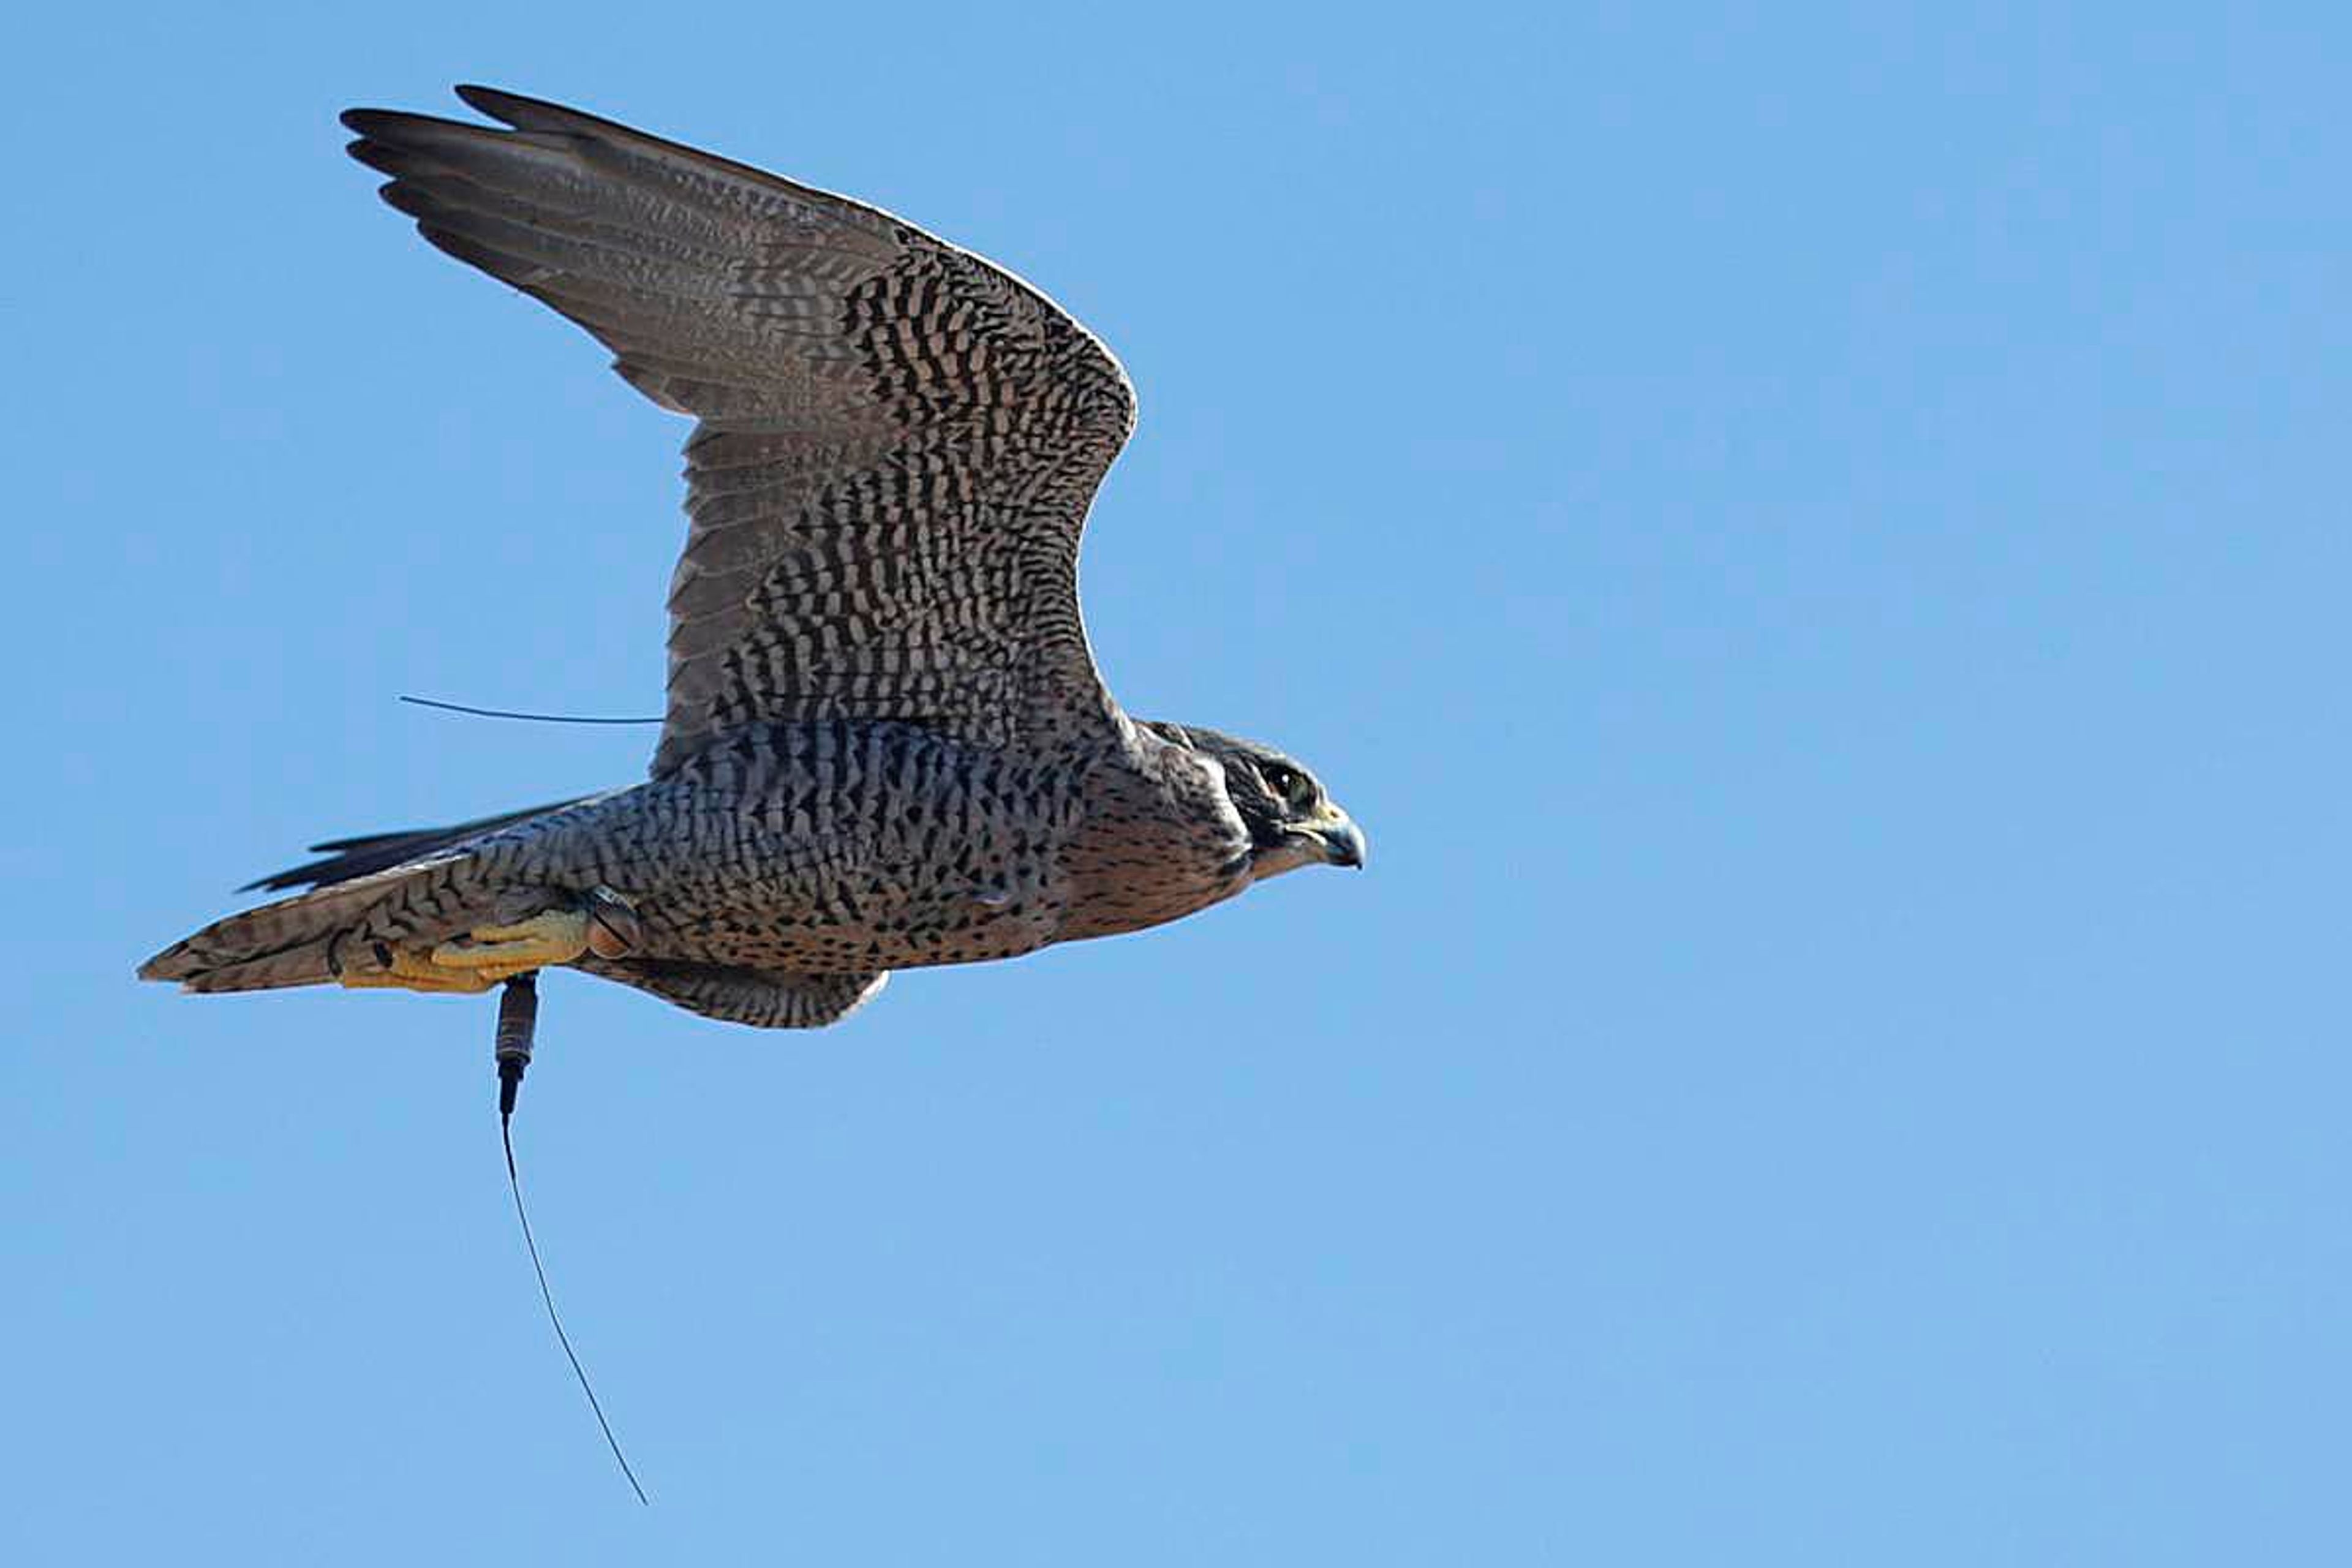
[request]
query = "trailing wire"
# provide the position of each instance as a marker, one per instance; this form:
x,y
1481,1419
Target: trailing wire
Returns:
x,y
517,1019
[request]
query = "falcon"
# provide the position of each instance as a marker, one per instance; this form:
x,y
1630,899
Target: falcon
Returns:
x,y
885,744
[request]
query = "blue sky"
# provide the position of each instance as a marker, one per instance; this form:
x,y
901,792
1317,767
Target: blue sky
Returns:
x,y
1813,539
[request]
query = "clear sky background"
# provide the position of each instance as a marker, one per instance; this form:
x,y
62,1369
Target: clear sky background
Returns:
x,y
1813,539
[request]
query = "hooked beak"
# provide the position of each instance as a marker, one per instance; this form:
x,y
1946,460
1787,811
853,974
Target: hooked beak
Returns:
x,y
1334,840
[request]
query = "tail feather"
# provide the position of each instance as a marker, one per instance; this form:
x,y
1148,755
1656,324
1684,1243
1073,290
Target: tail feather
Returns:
x,y
305,963
292,941
288,942
347,858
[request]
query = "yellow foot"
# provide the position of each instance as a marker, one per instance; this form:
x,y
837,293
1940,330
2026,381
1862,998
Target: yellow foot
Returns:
x,y
528,936
496,953
475,961
398,969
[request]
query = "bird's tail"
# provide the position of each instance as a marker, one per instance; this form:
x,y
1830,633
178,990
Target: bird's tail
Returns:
x,y
292,941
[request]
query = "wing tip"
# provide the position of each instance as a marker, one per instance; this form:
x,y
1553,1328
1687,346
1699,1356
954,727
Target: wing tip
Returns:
x,y
174,963
497,101
520,112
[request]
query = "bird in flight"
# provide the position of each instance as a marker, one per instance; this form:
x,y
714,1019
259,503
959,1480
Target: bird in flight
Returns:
x,y
886,744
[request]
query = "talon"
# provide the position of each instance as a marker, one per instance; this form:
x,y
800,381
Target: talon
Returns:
x,y
405,971
603,923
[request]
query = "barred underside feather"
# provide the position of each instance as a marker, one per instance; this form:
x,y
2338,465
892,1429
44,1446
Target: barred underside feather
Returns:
x,y
288,943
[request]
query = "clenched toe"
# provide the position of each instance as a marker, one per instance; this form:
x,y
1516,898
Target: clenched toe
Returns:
x,y
497,951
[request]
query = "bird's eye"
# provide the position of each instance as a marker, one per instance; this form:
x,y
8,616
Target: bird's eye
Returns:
x,y
1292,785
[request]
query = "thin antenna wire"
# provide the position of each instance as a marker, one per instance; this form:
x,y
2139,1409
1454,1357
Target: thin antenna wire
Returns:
x,y
504,714
514,1184
518,1020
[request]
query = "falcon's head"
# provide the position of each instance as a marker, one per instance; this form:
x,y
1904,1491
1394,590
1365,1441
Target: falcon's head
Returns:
x,y
1292,822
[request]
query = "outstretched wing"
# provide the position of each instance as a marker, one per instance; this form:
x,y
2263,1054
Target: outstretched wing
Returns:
x,y
898,441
